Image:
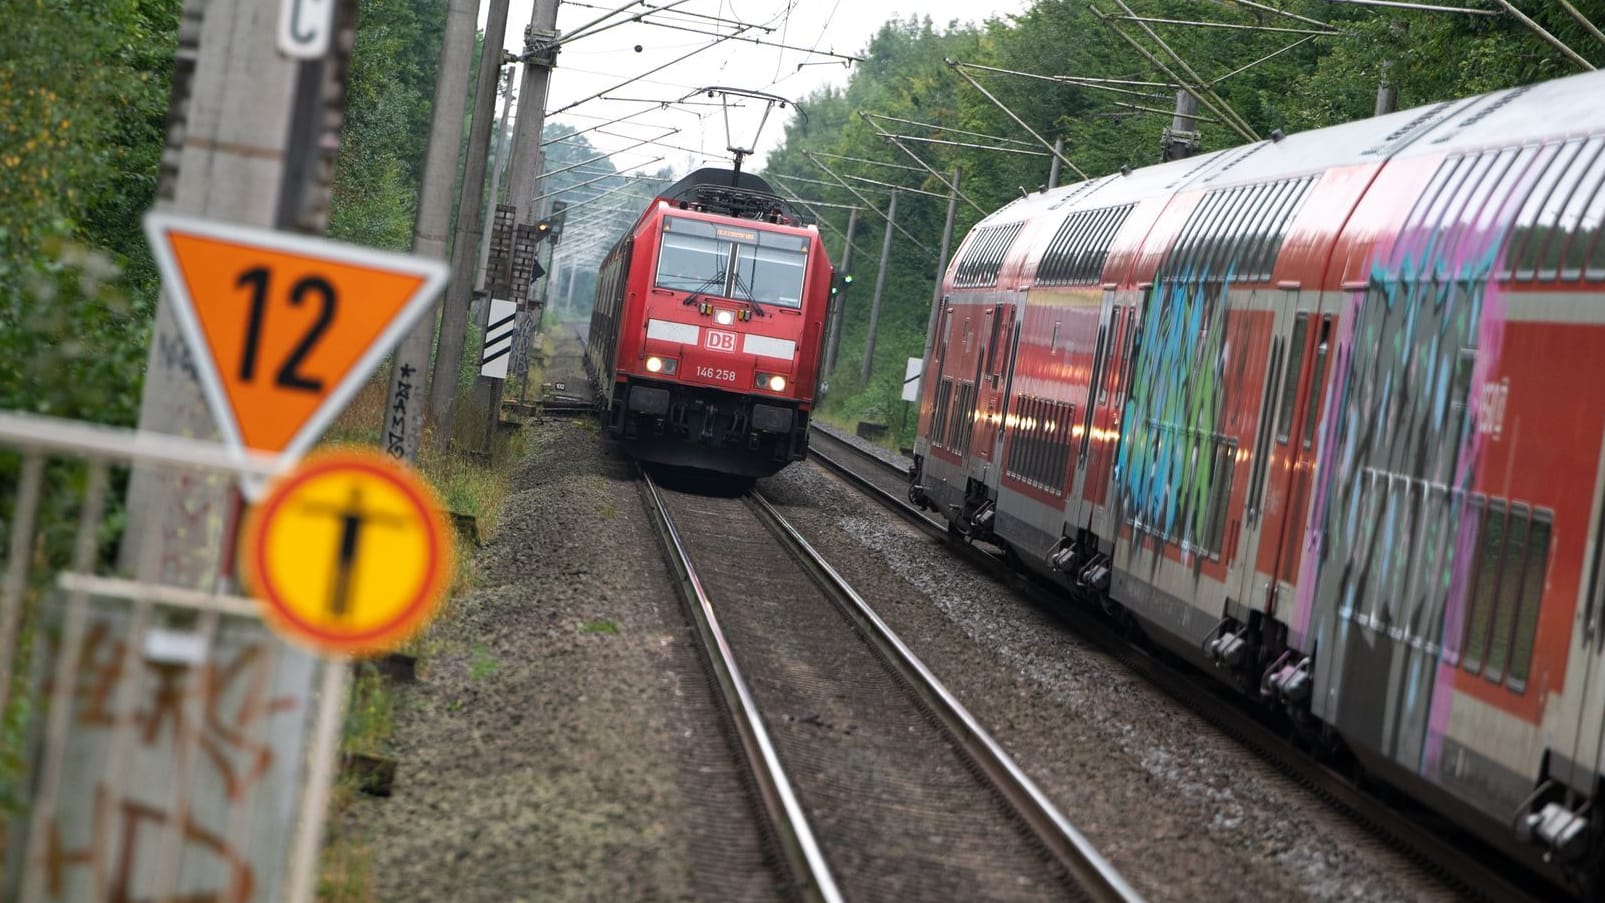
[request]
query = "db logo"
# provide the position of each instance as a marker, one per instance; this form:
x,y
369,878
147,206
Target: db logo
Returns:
x,y
721,341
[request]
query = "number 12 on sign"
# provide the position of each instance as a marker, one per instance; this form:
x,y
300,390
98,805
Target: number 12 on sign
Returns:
x,y
284,328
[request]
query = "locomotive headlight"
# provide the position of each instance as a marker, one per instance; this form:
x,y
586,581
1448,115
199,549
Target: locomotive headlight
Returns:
x,y
724,317
655,364
777,383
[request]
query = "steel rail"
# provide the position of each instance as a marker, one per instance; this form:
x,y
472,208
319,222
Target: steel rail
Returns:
x,y
791,829
1086,866
1468,874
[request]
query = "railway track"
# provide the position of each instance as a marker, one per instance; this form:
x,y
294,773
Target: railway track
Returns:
x,y
1467,867
874,782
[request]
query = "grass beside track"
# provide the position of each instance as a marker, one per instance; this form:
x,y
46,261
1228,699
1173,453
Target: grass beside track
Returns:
x,y
467,486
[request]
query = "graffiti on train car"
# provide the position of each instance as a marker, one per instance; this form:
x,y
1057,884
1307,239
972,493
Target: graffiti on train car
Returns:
x,y
1169,461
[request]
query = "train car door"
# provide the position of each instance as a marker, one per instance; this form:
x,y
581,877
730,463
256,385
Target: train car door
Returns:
x,y
993,381
1285,447
1582,743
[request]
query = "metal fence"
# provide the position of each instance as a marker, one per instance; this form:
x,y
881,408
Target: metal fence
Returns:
x,y
162,743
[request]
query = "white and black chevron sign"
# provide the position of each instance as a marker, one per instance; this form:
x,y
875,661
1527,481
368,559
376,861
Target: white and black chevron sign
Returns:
x,y
499,334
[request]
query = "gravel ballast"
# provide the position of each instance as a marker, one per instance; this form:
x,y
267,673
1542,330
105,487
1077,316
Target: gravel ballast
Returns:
x,y
1183,811
562,743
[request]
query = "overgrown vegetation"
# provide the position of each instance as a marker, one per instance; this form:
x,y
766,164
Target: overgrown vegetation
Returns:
x,y
1323,81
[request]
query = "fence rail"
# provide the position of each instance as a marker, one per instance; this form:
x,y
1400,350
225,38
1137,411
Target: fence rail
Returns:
x,y
175,747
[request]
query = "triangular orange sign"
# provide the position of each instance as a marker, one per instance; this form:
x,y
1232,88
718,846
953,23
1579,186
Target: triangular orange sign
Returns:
x,y
284,327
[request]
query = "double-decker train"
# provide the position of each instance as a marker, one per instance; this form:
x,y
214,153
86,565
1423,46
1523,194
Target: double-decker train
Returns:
x,y
1324,414
706,337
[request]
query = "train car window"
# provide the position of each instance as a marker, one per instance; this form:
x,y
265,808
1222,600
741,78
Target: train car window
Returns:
x,y
1459,405
1224,468
1077,252
1261,261
1262,442
1226,252
1510,580
1252,222
1529,598
1490,212
1480,178
745,264
1295,369
1429,210
983,256
1547,235
1093,386
1591,237
1211,244
1412,557
1522,250
1490,560
992,362
939,413
1317,375
1575,227
1434,582
967,419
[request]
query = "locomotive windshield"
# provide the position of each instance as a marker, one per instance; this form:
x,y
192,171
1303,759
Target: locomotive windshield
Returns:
x,y
744,263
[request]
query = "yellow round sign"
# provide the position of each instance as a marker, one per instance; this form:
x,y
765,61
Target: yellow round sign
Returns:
x,y
349,552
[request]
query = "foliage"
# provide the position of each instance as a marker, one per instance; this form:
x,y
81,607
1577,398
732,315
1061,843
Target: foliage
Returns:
x,y
1111,114
83,97
386,130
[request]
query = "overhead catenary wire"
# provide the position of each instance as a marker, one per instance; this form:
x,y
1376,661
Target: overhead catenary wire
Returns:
x,y
1268,56
791,196
759,41
679,59
986,147
951,186
1226,25
950,130
1583,20
858,194
903,166
615,174
1282,12
957,66
891,187
1421,7
1196,91
549,173
1544,35
1220,107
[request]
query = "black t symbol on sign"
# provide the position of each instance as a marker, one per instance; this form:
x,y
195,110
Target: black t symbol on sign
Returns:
x,y
353,517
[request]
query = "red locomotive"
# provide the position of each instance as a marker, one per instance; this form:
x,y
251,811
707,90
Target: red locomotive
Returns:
x,y
1317,413
709,321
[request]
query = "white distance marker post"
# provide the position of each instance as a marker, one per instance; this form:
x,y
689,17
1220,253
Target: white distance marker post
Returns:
x,y
304,28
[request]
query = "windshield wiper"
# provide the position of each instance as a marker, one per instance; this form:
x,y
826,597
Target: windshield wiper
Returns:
x,y
752,303
699,291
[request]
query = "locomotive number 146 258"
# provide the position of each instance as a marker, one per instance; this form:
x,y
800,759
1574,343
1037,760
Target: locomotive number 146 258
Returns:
x,y
728,376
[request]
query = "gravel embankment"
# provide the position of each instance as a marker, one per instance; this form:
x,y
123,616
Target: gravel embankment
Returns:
x,y
1180,809
562,744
